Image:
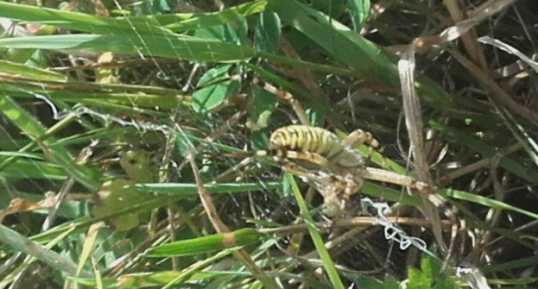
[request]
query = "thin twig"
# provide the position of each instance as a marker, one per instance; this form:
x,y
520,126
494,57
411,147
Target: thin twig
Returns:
x,y
220,227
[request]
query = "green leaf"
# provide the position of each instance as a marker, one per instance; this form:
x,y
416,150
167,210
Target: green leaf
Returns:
x,y
259,140
210,33
430,275
426,267
488,202
286,189
267,32
116,195
316,116
417,280
151,25
214,75
240,30
372,283
261,106
211,96
359,11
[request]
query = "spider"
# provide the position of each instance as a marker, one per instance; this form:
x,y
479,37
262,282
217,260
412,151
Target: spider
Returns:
x,y
319,157
331,165
335,169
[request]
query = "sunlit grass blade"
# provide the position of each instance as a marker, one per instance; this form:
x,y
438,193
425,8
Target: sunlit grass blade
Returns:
x,y
328,263
171,46
76,21
197,21
33,73
179,189
491,203
206,244
33,170
22,244
88,246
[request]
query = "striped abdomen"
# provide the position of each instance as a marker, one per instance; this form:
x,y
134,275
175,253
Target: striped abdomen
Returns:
x,y
306,139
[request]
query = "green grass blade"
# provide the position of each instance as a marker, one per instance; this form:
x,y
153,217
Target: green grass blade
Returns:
x,y
33,73
486,151
205,20
37,132
22,244
348,47
316,237
189,189
170,46
491,203
206,244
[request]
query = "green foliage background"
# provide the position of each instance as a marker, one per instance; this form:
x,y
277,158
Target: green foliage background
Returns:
x,y
103,104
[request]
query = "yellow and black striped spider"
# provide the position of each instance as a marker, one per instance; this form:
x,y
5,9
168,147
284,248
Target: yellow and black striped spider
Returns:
x,y
332,165
319,157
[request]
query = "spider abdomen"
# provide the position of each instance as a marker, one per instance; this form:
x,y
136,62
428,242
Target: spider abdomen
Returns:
x,y
315,141
306,139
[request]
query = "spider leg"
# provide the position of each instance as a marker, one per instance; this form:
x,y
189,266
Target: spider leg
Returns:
x,y
313,159
335,189
405,181
284,157
338,191
233,170
349,157
408,182
287,98
358,137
